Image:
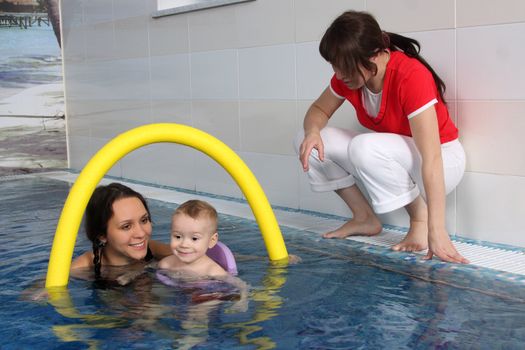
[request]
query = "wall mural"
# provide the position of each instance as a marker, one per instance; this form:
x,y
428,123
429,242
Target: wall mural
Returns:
x,y
32,112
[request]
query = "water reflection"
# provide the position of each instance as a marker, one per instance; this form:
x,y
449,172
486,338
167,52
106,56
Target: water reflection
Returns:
x,y
268,302
60,299
148,309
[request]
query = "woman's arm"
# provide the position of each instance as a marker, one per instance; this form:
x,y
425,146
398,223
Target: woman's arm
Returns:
x,y
315,120
425,133
159,250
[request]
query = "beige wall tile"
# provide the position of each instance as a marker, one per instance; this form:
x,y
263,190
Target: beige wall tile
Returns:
x,y
280,190
99,41
79,151
491,72
267,72
412,15
171,111
313,16
492,135
490,208
170,77
168,35
131,37
111,118
162,163
213,29
313,72
78,125
258,126
487,12
210,177
130,8
218,118
214,75
97,11
268,22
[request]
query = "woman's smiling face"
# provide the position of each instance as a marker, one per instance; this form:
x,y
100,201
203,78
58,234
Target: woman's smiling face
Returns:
x,y
128,232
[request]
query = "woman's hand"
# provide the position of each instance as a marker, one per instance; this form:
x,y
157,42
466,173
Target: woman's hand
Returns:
x,y
439,244
311,140
315,120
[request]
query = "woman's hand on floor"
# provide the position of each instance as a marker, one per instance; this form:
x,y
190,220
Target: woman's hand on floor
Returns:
x,y
439,244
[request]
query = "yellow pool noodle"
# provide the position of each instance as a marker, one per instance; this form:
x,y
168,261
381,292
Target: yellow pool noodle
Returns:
x,y
76,202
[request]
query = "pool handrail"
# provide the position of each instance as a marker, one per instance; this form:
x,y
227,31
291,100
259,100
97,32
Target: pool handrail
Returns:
x,y
79,195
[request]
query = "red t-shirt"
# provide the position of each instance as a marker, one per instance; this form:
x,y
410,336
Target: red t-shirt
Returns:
x,y
408,89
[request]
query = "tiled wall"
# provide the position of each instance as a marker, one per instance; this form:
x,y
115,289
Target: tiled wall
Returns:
x,y
247,73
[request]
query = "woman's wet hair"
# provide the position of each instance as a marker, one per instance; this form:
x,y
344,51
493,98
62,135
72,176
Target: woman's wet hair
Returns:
x,y
99,211
354,37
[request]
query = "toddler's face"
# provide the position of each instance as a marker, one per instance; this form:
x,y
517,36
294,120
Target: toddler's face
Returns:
x,y
191,238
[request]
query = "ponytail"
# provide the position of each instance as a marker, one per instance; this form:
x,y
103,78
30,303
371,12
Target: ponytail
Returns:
x,y
411,47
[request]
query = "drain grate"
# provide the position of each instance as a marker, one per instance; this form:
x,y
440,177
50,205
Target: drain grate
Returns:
x,y
488,257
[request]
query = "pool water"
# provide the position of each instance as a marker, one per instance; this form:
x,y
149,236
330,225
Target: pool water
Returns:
x,y
339,297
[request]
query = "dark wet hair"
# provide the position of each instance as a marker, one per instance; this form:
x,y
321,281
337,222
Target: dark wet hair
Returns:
x,y
99,211
354,37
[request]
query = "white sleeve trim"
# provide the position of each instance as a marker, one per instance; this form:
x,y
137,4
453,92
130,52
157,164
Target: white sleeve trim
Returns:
x,y
421,109
335,93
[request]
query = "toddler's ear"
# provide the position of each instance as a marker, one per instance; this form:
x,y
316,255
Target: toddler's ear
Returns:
x,y
213,240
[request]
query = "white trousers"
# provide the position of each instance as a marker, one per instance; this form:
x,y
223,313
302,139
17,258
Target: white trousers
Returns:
x,y
387,165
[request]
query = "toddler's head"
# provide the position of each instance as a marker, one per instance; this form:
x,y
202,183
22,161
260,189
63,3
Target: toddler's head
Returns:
x,y
193,230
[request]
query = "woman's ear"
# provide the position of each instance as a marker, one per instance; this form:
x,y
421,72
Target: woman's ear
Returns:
x,y
213,240
101,241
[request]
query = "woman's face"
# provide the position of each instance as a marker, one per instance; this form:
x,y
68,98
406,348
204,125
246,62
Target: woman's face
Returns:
x,y
128,233
353,81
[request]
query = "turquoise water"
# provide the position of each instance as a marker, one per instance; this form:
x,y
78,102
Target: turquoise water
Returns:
x,y
28,57
339,297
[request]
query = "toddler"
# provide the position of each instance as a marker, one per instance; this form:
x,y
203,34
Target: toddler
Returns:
x,y
193,232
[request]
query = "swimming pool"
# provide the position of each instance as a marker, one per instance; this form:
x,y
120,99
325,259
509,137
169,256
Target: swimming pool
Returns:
x,y
343,295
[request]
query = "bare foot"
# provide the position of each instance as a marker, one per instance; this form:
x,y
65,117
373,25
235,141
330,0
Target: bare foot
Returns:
x,y
416,238
368,227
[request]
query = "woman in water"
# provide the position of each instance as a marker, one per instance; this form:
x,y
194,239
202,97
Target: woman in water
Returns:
x,y
118,223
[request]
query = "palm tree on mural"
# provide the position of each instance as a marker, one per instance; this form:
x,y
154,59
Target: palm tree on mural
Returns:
x,y
53,12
